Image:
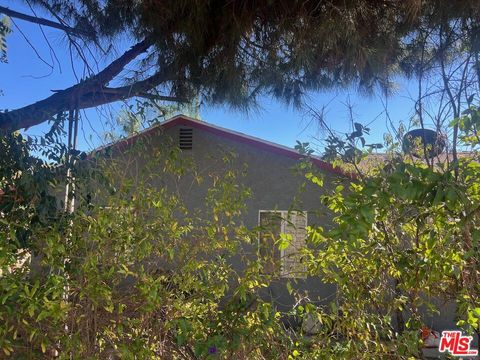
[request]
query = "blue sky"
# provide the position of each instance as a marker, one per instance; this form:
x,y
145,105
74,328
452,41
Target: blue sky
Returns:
x,y
27,78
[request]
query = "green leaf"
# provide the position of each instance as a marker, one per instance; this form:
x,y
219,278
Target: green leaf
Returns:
x,y
284,241
314,179
289,288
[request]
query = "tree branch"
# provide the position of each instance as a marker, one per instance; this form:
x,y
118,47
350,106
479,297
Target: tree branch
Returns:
x,y
108,95
45,22
90,93
112,70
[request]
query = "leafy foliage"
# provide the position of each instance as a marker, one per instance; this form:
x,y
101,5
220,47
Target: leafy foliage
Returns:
x,y
134,273
25,181
4,31
405,241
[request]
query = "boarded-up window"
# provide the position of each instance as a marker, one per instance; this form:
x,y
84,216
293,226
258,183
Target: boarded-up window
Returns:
x,y
271,226
287,262
295,225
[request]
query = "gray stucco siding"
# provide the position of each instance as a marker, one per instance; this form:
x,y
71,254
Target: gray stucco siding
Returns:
x,y
274,185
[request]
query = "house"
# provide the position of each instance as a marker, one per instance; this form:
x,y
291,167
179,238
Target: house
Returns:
x,y
277,199
281,198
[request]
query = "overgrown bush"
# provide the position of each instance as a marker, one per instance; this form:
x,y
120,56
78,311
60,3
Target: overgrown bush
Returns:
x,y
405,240
134,273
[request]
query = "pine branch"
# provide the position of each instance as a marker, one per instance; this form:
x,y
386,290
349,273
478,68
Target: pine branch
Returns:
x,y
45,22
90,93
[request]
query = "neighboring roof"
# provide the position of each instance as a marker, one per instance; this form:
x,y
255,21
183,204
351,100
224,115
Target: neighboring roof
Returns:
x,y
258,143
375,161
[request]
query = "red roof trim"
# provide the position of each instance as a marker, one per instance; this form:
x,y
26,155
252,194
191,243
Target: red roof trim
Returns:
x,y
231,135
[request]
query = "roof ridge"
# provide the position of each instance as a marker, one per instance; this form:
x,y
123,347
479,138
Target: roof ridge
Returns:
x,y
228,133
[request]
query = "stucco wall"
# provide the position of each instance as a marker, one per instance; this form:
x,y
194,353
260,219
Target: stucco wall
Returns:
x,y
274,185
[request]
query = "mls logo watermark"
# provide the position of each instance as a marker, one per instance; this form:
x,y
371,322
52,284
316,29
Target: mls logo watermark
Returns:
x,y
456,344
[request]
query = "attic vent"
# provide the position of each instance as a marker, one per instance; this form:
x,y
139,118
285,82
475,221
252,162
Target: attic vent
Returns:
x,y
185,138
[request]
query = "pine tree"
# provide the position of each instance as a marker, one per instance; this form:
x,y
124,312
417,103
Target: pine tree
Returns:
x,y
231,52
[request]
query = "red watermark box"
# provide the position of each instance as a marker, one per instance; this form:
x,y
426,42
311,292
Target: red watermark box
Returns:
x,y
456,344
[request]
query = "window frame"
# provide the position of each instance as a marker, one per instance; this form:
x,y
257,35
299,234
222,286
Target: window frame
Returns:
x,y
284,214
